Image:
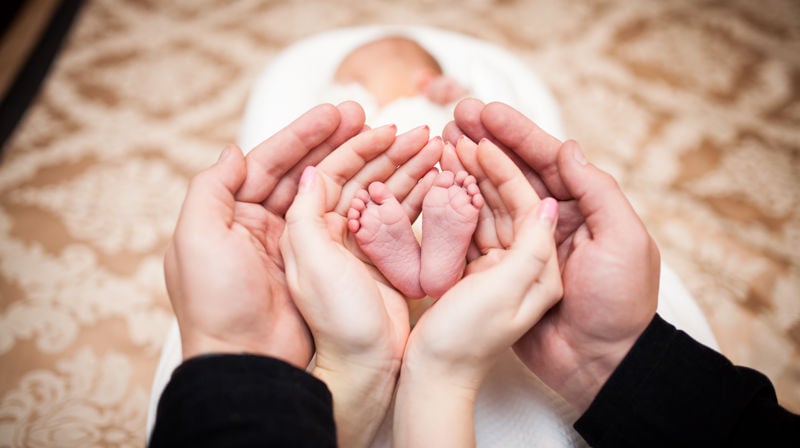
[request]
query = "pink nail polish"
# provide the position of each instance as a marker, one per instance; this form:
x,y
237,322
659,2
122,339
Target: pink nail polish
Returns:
x,y
307,178
548,210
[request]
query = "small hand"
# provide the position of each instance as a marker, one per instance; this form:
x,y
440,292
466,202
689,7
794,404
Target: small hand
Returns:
x,y
502,292
505,292
359,322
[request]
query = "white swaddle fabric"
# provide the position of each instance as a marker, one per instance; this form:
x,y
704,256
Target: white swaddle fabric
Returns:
x,y
300,77
514,408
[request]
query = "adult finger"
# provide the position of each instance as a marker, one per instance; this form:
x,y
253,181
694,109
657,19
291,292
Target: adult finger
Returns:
x,y
525,263
268,162
514,194
535,248
467,121
408,175
350,158
381,167
305,239
412,203
605,208
535,147
209,203
351,123
320,130
486,232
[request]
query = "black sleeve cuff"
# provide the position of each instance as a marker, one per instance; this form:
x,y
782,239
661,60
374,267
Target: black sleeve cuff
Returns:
x,y
670,390
243,400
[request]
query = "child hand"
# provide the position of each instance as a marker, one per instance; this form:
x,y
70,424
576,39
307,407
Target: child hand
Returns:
x,y
506,291
359,322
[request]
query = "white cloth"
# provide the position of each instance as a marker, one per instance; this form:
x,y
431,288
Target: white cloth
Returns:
x,y
300,77
514,408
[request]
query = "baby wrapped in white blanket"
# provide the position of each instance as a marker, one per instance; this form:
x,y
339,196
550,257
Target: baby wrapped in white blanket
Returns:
x,y
411,87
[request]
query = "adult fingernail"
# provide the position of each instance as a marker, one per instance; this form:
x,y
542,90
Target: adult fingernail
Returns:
x,y
548,211
224,154
307,178
578,154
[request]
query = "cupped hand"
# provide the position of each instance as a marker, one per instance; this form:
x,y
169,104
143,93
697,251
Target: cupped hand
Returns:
x,y
508,287
609,263
223,269
358,320
505,291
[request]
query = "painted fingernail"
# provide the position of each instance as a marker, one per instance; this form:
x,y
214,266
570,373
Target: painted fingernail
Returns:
x,y
307,178
578,154
548,211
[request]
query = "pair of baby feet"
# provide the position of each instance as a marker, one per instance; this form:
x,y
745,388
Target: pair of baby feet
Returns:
x,y
383,231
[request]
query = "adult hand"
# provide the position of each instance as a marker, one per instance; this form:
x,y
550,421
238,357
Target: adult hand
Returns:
x,y
223,268
505,292
609,263
358,320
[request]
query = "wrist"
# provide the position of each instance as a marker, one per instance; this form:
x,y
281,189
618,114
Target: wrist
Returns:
x,y
438,381
580,383
432,409
465,371
362,394
195,345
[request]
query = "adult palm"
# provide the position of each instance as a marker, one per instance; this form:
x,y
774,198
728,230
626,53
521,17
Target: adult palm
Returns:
x,y
609,262
230,225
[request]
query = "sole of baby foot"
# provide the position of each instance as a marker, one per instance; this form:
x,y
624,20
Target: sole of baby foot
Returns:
x,y
383,232
449,217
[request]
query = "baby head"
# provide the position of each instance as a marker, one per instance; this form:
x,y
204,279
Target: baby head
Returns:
x,y
394,67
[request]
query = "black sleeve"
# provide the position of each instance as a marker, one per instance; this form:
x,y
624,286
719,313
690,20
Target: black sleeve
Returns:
x,y
243,400
670,390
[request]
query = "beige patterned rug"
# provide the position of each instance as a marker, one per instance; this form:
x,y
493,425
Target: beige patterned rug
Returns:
x,y
694,106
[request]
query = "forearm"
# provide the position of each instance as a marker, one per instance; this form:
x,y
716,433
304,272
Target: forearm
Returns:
x,y
432,410
672,391
361,399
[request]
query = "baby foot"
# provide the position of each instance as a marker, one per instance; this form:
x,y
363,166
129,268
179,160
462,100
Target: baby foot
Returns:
x,y
383,231
449,217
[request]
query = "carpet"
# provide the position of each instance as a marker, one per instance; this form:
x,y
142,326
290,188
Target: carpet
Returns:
x,y
693,106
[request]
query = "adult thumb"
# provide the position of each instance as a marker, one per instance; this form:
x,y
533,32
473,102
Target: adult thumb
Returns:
x,y
600,199
210,197
305,225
